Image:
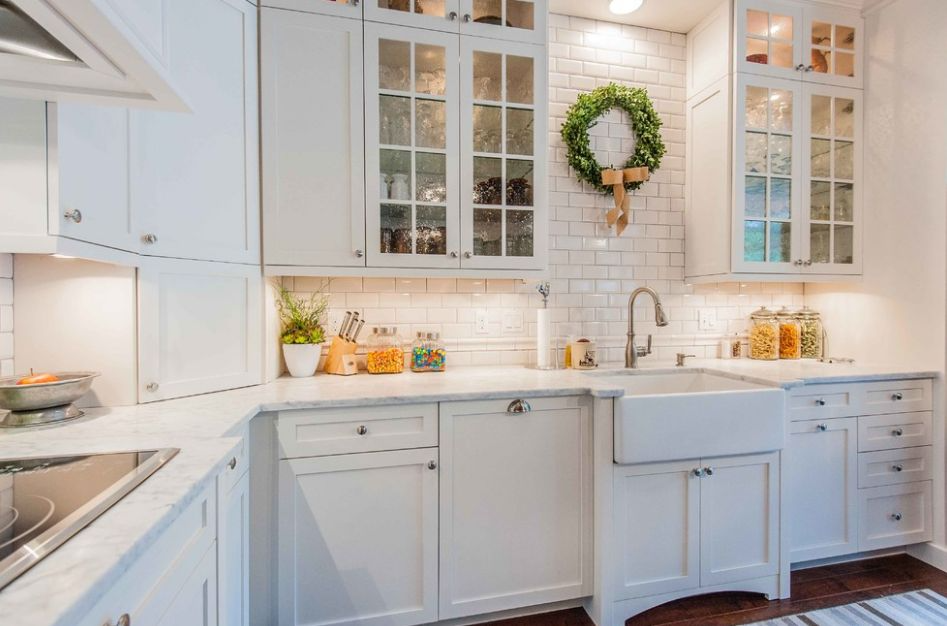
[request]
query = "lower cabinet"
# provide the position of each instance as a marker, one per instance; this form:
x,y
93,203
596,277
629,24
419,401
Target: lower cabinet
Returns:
x,y
233,551
196,602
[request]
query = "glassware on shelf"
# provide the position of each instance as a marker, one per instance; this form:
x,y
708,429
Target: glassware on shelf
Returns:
x,y
764,335
428,353
790,344
385,355
400,188
810,323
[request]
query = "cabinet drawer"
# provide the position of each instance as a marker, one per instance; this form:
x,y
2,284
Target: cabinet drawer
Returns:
x,y
237,465
894,467
895,396
898,430
851,399
894,515
814,402
357,429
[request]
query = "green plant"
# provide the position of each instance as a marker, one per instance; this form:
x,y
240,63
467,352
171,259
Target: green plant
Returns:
x,y
301,318
588,107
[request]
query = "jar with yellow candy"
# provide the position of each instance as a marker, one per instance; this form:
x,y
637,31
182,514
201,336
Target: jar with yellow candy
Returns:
x,y
385,354
790,334
764,335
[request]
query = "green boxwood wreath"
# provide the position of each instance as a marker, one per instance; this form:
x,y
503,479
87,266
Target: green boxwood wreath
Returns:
x,y
581,116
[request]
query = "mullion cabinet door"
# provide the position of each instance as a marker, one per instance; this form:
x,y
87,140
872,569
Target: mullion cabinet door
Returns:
x,y
512,20
833,49
442,15
339,8
768,38
411,133
767,149
503,161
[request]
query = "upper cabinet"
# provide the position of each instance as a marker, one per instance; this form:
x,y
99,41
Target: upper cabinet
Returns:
x,y
512,20
338,8
93,50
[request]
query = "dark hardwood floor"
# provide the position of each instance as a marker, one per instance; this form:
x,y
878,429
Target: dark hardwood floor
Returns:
x,y
815,588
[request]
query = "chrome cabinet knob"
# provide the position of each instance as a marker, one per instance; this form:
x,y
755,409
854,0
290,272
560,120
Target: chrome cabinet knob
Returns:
x,y
124,620
709,471
432,465
362,429
807,262
355,3
896,517
519,406
74,215
897,396
809,68
820,402
150,238
468,255
152,387
467,17
797,262
822,427
452,16
697,471
453,254
897,467
897,432
359,253
233,463
800,67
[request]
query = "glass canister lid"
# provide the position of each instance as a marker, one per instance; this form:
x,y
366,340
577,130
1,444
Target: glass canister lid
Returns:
x,y
785,312
433,336
807,313
385,330
763,313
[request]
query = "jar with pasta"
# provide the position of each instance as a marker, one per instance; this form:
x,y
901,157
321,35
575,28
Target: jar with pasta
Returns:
x,y
790,344
810,324
764,335
385,355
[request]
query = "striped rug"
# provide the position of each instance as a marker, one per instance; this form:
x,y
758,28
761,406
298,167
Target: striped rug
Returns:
x,y
916,608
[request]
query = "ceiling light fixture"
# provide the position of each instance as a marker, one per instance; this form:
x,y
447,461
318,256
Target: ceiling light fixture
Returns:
x,y
624,7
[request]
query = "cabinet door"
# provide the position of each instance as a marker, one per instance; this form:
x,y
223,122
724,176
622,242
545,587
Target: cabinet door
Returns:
x,y
22,173
339,8
739,518
513,20
767,151
821,467
440,15
657,509
313,173
233,554
832,163
515,508
196,603
195,176
833,46
768,38
358,539
200,327
411,112
503,148
88,176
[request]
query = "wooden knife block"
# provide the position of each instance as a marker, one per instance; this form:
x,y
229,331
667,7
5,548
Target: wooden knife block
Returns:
x,y
341,357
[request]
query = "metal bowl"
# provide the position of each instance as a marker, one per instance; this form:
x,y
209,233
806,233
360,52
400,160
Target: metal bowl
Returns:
x,y
70,387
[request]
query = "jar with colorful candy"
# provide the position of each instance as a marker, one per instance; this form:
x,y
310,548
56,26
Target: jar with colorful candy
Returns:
x,y
385,355
428,353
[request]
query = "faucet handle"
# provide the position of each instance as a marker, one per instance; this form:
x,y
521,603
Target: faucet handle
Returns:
x,y
681,356
648,351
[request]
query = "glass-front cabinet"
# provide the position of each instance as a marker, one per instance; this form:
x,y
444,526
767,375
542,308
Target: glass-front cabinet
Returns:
x,y
833,47
339,8
511,20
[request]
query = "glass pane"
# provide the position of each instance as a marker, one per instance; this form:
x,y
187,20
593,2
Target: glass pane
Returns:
x,y
519,183
780,117
486,128
780,154
754,241
431,124
519,14
821,34
519,131
844,37
819,60
396,169
395,229
756,152
519,79
395,5
394,125
519,233
819,243
487,76
780,54
394,69
821,115
780,27
780,198
756,51
430,73
431,177
844,160
844,201
432,230
844,117
757,23
756,103
755,195
488,12
844,64
779,241
819,200
430,7
820,158
844,236
487,232
488,181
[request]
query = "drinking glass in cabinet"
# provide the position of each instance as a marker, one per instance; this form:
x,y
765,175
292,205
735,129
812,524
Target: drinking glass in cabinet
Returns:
x,y
431,230
431,175
396,165
519,79
487,124
519,233
487,232
431,124
487,76
519,131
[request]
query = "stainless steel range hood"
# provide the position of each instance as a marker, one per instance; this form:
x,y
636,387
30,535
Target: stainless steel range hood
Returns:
x,y
21,35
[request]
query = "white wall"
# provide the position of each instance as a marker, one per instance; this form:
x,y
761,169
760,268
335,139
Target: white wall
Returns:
x,y
6,314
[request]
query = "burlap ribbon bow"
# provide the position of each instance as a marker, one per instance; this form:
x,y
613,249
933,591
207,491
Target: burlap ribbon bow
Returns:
x,y
618,217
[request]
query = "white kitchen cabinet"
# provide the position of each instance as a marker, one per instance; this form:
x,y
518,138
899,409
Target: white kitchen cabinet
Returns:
x,y
313,182
200,327
233,549
358,539
195,177
441,15
821,476
515,505
22,174
196,602
511,20
338,8
895,515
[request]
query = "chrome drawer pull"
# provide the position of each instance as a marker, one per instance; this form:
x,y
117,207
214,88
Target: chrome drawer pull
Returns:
x,y
897,432
897,396
233,463
897,467
519,406
432,465
820,402
822,427
698,472
362,429
709,471
896,517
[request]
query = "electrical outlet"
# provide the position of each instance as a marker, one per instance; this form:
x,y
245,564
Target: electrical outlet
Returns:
x,y
480,322
706,319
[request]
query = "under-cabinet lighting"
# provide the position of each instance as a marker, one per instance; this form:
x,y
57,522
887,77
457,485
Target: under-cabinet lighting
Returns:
x,y
62,256
624,7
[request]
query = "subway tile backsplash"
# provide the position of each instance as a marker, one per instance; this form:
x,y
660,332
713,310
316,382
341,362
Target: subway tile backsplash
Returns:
x,y
6,314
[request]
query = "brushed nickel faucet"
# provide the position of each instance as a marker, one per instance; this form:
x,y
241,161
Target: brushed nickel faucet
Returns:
x,y
632,352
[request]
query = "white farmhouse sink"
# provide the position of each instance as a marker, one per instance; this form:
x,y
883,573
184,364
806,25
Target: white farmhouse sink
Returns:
x,y
689,415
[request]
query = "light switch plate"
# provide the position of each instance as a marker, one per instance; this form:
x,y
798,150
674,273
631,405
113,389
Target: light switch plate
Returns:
x,y
706,319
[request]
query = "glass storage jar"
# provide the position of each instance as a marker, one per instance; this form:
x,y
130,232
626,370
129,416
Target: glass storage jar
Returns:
x,y
385,355
764,335
810,324
789,334
428,353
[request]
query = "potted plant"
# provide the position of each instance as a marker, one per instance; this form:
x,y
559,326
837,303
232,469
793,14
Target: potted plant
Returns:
x,y
302,333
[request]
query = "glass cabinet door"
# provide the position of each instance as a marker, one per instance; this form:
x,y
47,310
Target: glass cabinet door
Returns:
x,y
513,20
411,131
767,149
833,160
833,47
443,15
340,8
503,136
768,35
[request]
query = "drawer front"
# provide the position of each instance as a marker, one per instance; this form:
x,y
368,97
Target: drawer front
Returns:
x,y
895,515
357,429
894,467
895,396
814,402
852,399
898,430
237,465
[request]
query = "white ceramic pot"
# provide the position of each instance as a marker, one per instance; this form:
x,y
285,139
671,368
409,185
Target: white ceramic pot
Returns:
x,y
302,358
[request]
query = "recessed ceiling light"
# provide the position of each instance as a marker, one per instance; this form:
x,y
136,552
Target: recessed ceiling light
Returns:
x,y
624,7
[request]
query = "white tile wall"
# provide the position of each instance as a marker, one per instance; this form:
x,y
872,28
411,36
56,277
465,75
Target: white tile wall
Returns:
x,y
6,314
592,270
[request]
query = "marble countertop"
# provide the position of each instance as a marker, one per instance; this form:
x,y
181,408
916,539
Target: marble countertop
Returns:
x,y
61,588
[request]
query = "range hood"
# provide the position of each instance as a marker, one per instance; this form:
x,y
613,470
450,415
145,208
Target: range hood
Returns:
x,y
102,51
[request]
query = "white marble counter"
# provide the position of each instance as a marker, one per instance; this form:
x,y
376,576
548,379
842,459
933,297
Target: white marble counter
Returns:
x,y
62,587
